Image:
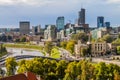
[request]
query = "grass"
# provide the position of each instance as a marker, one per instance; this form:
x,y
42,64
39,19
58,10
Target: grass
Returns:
x,y
24,46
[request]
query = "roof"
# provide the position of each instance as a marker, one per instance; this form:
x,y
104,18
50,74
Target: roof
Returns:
x,y
15,77
26,76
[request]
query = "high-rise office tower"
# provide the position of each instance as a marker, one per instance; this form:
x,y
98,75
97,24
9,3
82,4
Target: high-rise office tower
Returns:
x,y
81,19
60,23
107,24
100,21
24,27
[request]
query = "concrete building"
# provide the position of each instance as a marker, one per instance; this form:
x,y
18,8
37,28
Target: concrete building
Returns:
x,y
24,27
100,21
100,48
36,29
79,47
60,23
50,33
61,35
98,33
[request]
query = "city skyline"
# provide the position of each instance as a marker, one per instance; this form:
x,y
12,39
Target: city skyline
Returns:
x,y
46,11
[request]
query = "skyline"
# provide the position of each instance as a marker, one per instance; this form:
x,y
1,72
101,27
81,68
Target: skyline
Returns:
x,y
46,11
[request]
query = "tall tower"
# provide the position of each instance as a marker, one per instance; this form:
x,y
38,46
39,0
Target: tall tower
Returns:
x,y
24,27
81,19
100,21
60,23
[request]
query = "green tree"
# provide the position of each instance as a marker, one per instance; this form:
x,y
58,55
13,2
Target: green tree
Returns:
x,y
60,69
80,36
70,46
71,71
63,44
84,51
101,71
22,66
11,66
9,38
23,39
116,75
55,53
107,38
48,47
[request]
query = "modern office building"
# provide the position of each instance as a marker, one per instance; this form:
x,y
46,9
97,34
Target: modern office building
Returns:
x,y
24,27
81,19
60,23
107,24
100,21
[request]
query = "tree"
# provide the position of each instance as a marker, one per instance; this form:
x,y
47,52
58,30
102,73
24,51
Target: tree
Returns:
x,y
48,47
3,38
22,66
63,44
55,53
70,46
101,71
117,41
60,69
11,66
107,38
84,51
80,36
9,38
71,71
17,40
116,75
23,39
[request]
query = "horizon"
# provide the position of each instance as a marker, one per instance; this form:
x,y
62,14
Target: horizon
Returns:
x,y
43,12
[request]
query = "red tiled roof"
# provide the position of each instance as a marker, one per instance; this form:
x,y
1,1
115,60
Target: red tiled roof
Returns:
x,y
26,76
15,77
31,76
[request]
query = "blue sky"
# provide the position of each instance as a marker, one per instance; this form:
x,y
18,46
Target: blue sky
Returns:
x,y
46,11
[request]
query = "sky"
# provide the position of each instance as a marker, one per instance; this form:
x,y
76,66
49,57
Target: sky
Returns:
x,y
46,11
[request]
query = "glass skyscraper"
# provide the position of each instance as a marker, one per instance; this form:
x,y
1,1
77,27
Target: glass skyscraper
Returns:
x,y
100,21
60,23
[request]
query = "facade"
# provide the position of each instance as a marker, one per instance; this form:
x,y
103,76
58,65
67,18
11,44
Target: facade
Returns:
x,y
22,76
61,35
24,27
60,23
81,19
36,29
107,24
50,33
98,33
100,21
100,48
79,47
